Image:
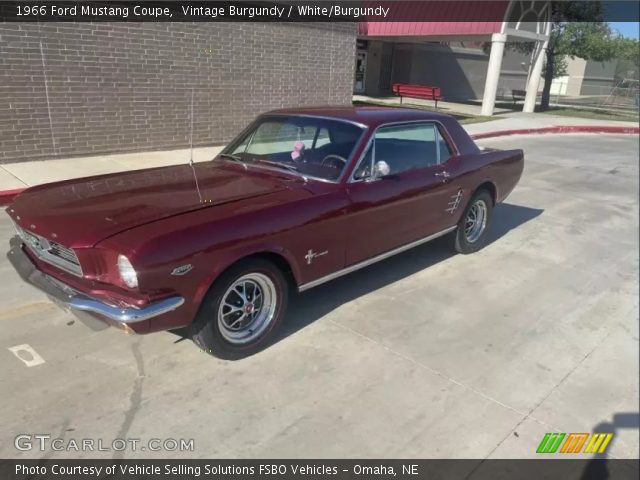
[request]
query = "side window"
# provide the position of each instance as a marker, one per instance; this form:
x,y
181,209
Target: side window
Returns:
x,y
322,138
407,147
445,151
306,134
363,170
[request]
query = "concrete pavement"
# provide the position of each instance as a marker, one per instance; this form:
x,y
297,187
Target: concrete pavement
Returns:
x,y
24,174
425,355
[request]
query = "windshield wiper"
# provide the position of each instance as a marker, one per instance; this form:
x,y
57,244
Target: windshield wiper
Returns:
x,y
235,158
278,164
286,166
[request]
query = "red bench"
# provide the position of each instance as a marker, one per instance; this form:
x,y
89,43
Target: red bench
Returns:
x,y
416,91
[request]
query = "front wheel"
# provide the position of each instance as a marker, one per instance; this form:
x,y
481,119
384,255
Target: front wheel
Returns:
x,y
471,234
242,310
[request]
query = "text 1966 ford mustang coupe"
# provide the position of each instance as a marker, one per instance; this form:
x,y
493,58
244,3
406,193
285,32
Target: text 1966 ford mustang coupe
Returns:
x,y
301,197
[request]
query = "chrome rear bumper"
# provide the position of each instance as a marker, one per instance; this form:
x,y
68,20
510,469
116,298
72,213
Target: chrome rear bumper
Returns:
x,y
79,303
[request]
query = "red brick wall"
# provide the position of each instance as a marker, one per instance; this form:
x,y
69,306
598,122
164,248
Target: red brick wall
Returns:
x,y
121,87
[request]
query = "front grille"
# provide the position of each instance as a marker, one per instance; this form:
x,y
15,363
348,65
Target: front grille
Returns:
x,y
63,252
51,252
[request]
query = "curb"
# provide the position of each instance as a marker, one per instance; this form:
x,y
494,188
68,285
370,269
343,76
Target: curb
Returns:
x,y
7,196
560,129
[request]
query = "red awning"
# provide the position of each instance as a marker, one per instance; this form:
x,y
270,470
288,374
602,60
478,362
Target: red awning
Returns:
x,y
444,18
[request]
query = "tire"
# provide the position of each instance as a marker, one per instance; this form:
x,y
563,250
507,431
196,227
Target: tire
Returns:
x,y
234,321
468,240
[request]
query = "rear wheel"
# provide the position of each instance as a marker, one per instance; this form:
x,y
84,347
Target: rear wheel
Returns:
x,y
242,310
471,234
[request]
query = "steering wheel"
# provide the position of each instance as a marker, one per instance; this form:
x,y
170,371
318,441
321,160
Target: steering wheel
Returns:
x,y
334,157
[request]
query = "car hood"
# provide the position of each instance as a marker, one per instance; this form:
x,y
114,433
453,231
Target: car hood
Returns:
x,y
82,212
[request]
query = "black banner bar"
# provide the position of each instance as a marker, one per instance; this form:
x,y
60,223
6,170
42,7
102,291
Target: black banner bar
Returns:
x,y
284,11
548,468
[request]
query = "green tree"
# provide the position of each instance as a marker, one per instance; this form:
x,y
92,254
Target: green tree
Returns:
x,y
578,30
628,55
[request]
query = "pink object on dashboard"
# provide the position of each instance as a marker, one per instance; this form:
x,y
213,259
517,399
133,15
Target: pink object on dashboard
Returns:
x,y
298,147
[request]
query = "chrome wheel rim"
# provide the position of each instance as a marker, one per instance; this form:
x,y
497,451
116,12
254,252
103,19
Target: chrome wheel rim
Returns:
x,y
476,221
247,308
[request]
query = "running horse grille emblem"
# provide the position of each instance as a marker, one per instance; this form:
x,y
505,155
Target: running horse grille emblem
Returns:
x,y
311,255
453,205
39,244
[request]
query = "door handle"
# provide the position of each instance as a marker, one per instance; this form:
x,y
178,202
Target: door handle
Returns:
x,y
443,174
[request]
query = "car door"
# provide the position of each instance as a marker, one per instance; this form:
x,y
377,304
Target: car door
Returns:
x,y
408,204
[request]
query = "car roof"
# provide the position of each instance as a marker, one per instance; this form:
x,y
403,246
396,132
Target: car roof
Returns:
x,y
371,116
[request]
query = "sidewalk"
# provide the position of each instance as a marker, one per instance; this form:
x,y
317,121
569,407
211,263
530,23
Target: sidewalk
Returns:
x,y
16,176
443,106
25,174
521,121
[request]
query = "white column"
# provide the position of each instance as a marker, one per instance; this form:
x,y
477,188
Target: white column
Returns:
x,y
534,78
493,73
534,55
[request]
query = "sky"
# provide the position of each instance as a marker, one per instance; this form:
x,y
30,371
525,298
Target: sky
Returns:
x,y
627,29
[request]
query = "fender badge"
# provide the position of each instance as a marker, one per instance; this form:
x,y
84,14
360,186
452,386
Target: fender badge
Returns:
x,y
452,206
182,269
311,255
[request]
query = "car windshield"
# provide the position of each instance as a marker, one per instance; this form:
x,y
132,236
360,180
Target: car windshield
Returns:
x,y
308,146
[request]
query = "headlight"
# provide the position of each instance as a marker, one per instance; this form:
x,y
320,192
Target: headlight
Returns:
x,y
127,272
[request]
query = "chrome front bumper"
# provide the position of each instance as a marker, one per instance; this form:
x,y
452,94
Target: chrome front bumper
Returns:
x,y
79,303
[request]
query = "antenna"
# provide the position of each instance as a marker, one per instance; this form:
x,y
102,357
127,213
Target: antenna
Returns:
x,y
195,177
191,132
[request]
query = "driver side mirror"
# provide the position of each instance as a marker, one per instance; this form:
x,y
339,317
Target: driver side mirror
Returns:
x,y
381,169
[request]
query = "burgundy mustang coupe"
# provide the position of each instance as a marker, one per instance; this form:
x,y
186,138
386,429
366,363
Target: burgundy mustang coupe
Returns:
x,y
301,197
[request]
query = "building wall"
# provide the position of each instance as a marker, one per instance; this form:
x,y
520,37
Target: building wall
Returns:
x,y
585,78
121,87
374,59
599,78
570,83
459,70
459,73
